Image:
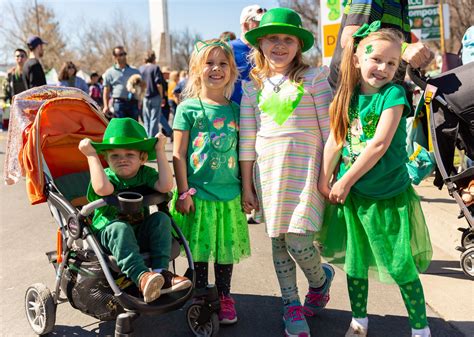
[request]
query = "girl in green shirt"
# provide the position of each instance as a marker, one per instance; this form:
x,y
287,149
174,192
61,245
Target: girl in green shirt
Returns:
x,y
374,223
207,205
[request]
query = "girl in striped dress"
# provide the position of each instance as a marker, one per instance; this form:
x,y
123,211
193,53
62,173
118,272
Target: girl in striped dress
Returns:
x,y
284,124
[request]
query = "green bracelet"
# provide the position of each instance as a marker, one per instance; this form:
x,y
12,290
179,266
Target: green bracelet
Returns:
x,y
404,47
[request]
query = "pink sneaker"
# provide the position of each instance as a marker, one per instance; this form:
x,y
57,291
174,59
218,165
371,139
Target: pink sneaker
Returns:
x,y
227,313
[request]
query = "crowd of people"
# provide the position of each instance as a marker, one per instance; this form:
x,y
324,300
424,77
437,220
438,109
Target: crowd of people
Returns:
x,y
316,153
151,96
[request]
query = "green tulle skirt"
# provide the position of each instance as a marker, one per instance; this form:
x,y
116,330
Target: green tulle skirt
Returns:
x,y
216,232
386,239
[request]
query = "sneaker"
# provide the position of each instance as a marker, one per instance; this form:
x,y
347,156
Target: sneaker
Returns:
x,y
227,313
295,322
356,330
174,282
150,285
315,301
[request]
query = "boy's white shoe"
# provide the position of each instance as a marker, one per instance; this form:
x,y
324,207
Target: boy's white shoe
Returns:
x,y
358,327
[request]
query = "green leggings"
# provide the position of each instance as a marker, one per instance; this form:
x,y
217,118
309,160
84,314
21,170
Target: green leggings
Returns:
x,y
412,294
288,248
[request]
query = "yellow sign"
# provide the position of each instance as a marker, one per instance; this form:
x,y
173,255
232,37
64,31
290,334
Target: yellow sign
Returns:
x,y
330,38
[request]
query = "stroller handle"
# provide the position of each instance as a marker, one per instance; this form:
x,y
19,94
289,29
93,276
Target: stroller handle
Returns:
x,y
416,76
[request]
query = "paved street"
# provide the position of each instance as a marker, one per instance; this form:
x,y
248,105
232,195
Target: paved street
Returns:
x,y
27,232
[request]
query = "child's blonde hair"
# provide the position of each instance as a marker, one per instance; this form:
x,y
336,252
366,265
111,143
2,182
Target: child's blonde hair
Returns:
x,y
201,52
261,69
349,78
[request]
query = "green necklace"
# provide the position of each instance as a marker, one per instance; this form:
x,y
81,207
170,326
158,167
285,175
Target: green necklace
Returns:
x,y
371,120
218,141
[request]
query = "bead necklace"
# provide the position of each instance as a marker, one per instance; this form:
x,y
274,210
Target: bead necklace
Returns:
x,y
276,87
371,120
217,141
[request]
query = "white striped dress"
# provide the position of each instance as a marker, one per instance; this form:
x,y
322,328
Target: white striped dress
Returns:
x,y
288,157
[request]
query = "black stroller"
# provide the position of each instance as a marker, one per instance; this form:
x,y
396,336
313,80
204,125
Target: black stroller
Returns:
x,y
449,103
88,278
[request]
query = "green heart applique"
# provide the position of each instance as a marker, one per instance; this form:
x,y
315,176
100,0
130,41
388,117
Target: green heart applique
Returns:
x,y
280,106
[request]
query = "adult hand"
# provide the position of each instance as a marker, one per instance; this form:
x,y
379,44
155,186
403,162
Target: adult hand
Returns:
x,y
339,192
249,201
185,206
160,144
86,147
106,111
418,55
347,34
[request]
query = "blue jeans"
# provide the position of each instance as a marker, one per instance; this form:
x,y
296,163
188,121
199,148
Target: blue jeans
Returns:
x,y
126,109
152,117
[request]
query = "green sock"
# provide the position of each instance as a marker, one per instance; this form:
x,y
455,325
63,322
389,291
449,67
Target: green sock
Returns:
x,y
358,293
414,299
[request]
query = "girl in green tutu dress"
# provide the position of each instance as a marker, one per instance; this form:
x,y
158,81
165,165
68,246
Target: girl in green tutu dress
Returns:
x,y
207,204
374,224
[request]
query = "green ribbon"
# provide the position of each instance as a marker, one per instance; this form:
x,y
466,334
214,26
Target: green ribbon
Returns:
x,y
366,29
200,45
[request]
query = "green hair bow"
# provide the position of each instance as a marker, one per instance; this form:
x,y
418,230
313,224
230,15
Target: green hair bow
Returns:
x,y
200,45
366,29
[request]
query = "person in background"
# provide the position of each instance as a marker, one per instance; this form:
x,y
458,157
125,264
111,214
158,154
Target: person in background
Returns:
x,y
15,82
33,72
183,79
115,86
95,91
172,82
152,102
67,77
227,36
249,19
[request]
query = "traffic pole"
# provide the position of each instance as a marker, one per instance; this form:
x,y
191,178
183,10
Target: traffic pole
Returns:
x,y
441,26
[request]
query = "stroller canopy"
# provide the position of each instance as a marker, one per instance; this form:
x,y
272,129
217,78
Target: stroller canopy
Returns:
x,y
48,123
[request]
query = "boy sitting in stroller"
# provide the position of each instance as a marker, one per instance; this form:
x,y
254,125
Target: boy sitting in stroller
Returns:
x,y
126,149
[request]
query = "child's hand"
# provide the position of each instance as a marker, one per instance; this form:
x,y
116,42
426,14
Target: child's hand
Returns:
x,y
86,147
249,201
339,192
185,206
160,144
325,190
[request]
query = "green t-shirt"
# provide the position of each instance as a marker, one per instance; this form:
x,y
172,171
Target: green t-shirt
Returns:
x,y
146,176
213,165
389,176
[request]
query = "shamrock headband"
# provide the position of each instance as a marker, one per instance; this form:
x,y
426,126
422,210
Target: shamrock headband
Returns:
x,y
364,31
200,45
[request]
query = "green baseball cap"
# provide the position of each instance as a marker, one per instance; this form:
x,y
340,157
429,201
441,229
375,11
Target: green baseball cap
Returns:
x,y
126,133
281,21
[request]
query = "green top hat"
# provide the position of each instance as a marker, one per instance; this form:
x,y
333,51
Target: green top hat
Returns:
x,y
281,21
126,133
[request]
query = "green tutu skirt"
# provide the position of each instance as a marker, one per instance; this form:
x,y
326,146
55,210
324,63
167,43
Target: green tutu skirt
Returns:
x,y
216,232
386,239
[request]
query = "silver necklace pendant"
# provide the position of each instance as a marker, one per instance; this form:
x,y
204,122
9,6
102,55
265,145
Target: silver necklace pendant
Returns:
x,y
276,88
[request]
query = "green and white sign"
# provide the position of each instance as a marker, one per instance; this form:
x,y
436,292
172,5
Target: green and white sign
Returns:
x,y
425,21
412,3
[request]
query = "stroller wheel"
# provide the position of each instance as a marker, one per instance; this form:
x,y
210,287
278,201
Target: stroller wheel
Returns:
x,y
467,262
208,328
40,308
467,238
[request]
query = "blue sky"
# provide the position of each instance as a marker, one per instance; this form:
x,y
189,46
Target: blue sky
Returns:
x,y
208,17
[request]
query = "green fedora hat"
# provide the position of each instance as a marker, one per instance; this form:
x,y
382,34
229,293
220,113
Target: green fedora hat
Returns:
x,y
281,21
126,133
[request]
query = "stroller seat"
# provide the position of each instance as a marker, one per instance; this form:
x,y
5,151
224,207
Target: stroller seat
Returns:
x,y
73,187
